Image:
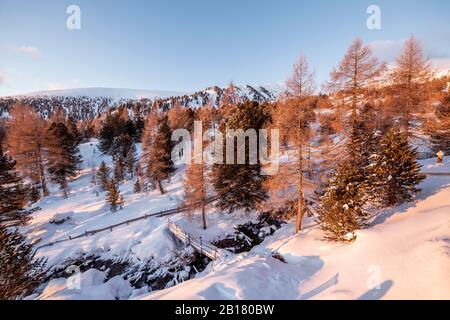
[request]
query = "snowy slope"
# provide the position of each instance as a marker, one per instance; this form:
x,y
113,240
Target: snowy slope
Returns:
x,y
405,254
405,251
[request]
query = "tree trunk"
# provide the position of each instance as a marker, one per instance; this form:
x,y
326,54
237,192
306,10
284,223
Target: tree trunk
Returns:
x,y
298,224
160,187
42,179
203,214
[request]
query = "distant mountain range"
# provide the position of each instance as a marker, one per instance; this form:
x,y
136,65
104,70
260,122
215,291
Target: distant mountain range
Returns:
x,y
88,103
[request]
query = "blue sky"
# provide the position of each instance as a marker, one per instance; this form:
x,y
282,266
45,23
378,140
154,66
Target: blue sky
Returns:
x,y
189,45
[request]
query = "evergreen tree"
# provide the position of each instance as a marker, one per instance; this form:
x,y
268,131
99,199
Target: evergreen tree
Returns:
x,y
13,194
439,127
397,169
103,175
157,153
124,156
114,198
20,272
352,186
241,186
63,155
113,127
73,130
341,211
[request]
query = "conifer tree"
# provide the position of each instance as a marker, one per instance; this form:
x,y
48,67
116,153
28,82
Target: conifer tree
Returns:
x,y
358,72
398,172
114,198
124,155
25,140
13,194
353,185
63,155
103,175
293,116
113,127
342,206
157,150
410,76
196,181
20,272
73,130
439,127
241,186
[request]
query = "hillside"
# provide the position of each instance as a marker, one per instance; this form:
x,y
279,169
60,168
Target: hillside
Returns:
x,y
403,243
88,103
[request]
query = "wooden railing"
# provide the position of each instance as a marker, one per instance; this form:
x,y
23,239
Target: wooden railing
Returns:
x,y
126,222
204,248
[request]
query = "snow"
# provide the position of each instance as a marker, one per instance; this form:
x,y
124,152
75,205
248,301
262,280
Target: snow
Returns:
x,y
431,166
91,287
403,254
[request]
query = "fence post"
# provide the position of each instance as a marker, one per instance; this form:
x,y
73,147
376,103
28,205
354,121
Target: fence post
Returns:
x,y
201,246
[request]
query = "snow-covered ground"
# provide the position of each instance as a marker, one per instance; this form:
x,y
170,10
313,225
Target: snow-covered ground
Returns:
x,y
404,254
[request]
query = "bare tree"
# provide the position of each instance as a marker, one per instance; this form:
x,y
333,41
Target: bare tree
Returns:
x,y
358,71
196,181
410,78
292,116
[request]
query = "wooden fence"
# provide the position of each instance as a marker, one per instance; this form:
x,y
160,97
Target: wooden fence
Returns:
x,y
126,222
204,248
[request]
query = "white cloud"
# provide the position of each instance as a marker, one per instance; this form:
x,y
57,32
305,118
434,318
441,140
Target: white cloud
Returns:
x,y
32,51
27,50
2,79
387,50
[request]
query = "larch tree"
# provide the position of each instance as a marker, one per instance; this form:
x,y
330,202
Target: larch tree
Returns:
x,y
356,74
25,140
410,78
180,117
196,181
293,116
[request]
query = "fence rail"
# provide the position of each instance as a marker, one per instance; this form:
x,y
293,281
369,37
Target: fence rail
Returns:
x,y
87,233
204,248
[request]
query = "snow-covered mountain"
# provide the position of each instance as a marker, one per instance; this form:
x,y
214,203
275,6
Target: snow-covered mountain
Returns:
x,y
101,92
88,103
